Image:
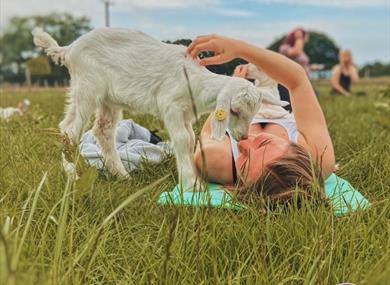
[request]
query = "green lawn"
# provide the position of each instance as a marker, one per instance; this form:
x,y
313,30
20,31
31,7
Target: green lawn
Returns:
x,y
58,232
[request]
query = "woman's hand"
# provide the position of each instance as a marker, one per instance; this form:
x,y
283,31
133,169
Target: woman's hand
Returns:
x,y
225,49
240,71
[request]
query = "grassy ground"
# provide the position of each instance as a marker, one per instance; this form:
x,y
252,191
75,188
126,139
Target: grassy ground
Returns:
x,y
56,232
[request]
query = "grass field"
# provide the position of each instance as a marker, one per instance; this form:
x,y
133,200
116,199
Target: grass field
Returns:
x,y
58,232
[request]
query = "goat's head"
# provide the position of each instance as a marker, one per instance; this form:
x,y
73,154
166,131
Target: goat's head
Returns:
x,y
237,104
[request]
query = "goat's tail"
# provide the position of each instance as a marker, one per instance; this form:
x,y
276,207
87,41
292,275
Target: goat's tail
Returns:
x,y
49,45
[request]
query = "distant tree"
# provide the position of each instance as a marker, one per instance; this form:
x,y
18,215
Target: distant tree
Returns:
x,y
183,42
225,69
320,49
276,44
375,69
39,66
17,46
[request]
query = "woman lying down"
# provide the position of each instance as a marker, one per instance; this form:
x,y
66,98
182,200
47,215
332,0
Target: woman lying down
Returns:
x,y
279,153
283,151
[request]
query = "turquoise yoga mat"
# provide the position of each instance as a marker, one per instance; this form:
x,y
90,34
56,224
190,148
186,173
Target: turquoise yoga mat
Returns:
x,y
342,196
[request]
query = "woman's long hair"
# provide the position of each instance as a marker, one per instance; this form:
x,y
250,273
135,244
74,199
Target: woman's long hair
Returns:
x,y
293,175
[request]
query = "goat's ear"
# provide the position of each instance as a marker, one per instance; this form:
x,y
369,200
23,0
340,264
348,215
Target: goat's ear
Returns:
x,y
220,119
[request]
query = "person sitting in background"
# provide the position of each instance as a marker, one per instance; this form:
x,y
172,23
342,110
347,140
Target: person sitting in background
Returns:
x,y
9,112
343,74
292,47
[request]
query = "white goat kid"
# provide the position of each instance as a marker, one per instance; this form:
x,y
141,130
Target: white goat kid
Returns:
x,y
114,68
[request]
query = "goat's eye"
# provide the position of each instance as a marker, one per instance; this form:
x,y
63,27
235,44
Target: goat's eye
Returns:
x,y
234,113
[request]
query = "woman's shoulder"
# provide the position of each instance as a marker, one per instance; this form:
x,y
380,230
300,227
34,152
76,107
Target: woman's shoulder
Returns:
x,y
215,156
312,143
302,141
336,68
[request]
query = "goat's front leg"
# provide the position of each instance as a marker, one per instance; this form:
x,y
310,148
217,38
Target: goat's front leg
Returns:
x,y
183,143
190,130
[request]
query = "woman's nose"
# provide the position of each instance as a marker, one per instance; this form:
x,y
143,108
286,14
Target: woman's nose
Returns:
x,y
244,137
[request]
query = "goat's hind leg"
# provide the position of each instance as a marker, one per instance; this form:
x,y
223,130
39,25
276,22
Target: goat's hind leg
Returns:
x,y
107,117
192,137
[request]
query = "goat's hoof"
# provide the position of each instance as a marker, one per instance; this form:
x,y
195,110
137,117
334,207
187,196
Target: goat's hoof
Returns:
x,y
123,179
123,175
70,169
117,170
199,188
193,187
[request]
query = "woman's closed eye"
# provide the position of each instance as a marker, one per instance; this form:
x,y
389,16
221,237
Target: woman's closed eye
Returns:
x,y
263,143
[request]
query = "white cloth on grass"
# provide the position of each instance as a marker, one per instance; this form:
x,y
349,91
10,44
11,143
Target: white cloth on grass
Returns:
x,y
133,145
7,113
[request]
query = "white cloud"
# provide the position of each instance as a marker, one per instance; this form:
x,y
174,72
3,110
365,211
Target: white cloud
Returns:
x,y
169,4
234,12
338,3
369,45
94,9
11,8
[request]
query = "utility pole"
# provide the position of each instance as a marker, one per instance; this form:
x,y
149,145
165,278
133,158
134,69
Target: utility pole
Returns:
x,y
107,4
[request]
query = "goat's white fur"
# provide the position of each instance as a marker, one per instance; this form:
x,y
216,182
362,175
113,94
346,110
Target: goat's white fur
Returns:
x,y
114,68
266,84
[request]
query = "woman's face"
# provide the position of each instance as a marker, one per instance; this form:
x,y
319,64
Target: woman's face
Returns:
x,y
345,58
256,153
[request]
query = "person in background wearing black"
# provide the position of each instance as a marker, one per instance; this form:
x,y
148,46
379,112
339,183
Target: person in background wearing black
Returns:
x,y
344,74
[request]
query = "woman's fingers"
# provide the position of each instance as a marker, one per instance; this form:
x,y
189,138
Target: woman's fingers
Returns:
x,y
199,40
209,45
221,46
217,59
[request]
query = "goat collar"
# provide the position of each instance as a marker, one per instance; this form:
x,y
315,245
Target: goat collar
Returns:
x,y
220,114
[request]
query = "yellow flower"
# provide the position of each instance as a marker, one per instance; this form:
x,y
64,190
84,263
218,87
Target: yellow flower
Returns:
x,y
220,115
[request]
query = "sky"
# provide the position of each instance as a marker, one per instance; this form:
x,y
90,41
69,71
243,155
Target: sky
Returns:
x,y
360,25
